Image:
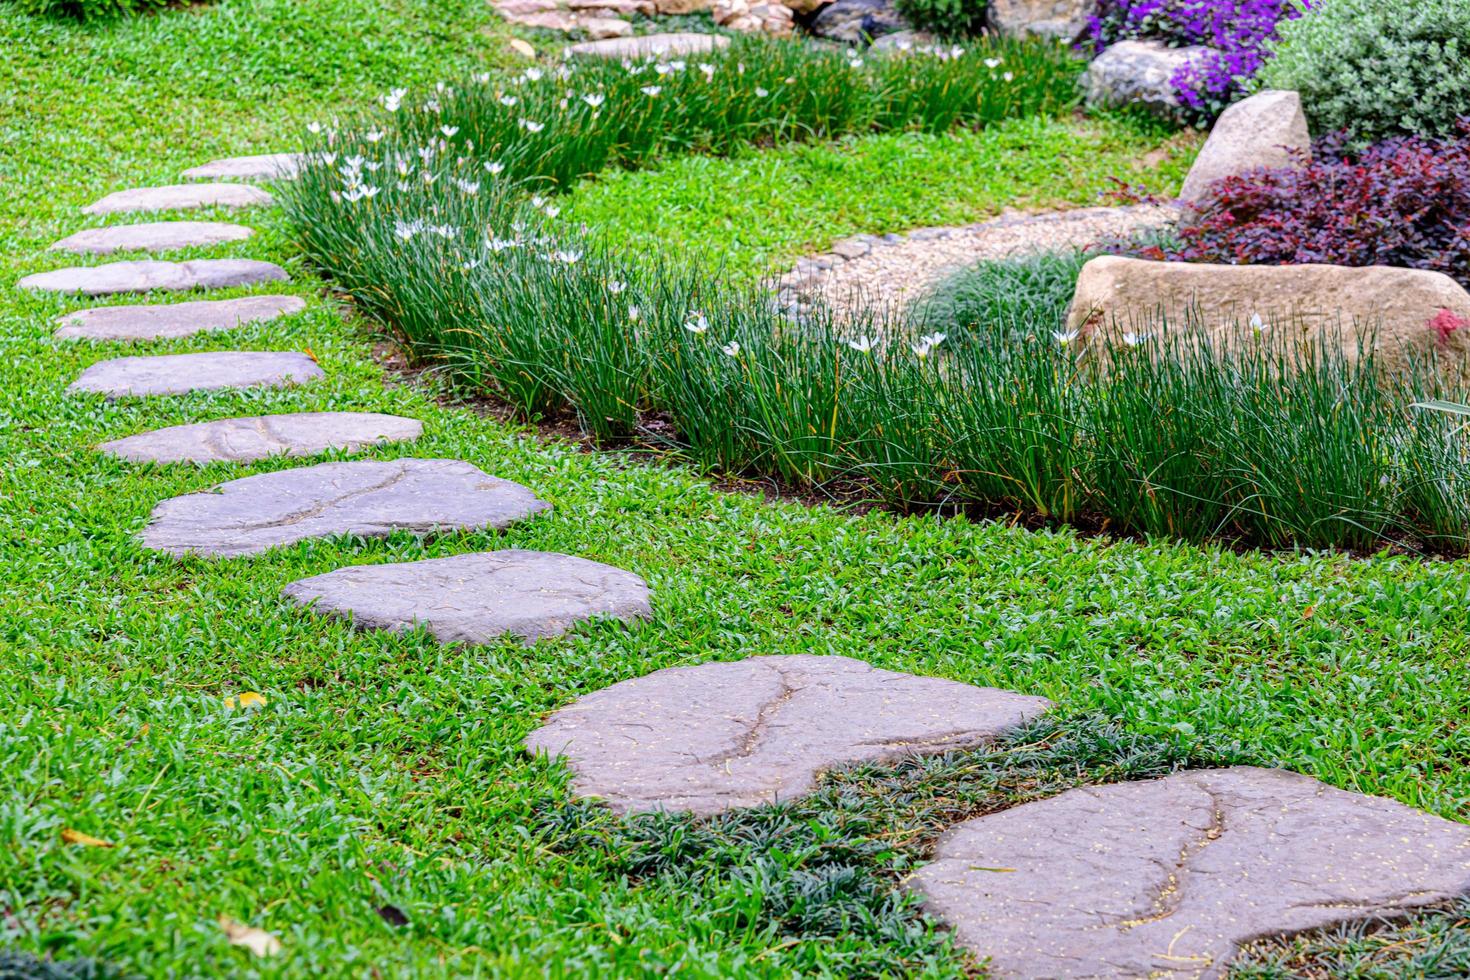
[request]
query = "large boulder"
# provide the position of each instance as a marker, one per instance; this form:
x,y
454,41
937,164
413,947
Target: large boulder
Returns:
x,y
1138,73
1064,20
1268,129
857,21
753,18
1410,311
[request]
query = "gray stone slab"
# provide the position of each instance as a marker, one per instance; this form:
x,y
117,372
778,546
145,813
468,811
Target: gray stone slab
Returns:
x,y
152,236
165,320
178,197
651,45
266,166
243,440
368,498
175,374
477,597
1169,877
149,274
721,735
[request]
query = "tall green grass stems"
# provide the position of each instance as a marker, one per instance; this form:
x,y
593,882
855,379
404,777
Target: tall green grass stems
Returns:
x,y
438,220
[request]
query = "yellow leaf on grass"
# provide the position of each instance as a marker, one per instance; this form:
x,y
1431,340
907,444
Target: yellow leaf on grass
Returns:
x,y
77,837
522,48
249,699
258,941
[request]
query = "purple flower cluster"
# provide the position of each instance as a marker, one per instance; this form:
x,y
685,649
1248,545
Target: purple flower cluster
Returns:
x,y
1235,30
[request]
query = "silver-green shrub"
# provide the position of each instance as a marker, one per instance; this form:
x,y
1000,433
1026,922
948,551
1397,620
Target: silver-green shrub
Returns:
x,y
1377,68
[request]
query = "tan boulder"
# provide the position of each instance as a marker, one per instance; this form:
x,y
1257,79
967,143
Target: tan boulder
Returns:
x,y
1410,311
612,8
1268,129
680,7
598,28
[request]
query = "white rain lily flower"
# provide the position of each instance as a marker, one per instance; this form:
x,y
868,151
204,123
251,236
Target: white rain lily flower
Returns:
x,y
373,135
470,187
508,100
494,167
927,343
566,256
426,153
471,265
533,74
1065,337
336,198
677,65
740,68
362,192
444,231
355,162
594,99
1257,324
448,131
373,166
992,63
662,69
403,167
697,323
616,286
863,344
1134,339
551,211
854,62
431,105
500,244
313,128
1008,77
761,93
562,105
481,78
732,349
407,229
533,127
634,314
394,99
651,90
402,185
537,201
518,226
956,51
708,69
429,178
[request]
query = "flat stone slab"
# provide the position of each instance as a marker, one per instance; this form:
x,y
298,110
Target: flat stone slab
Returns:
x,y
244,440
477,597
368,498
149,274
1169,877
651,45
266,166
152,236
162,320
175,374
178,197
721,735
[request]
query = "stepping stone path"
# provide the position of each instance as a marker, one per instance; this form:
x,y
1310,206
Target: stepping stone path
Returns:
x,y
1167,878
168,320
154,236
651,45
268,166
175,374
177,197
368,498
150,274
720,735
245,440
477,597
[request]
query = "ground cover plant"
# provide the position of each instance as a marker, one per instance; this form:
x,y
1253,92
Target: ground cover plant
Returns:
x,y
1376,69
377,813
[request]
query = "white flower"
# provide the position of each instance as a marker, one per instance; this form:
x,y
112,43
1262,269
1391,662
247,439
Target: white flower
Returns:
x,y
551,211
360,192
854,62
354,162
594,99
537,201
471,265
328,159
761,93
1257,324
732,349
992,63
568,257
677,65
448,131
402,185
1065,337
494,167
482,78
407,229
426,153
470,187
313,128
443,231
863,344
431,105
403,167
373,135
1134,339
662,68
507,100
533,127
697,323
394,99
927,343
500,244
651,90
616,286
956,51
633,313
708,69
1008,76
533,74
429,178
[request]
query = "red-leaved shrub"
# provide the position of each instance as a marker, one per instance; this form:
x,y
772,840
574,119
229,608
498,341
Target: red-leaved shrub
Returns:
x,y
1403,202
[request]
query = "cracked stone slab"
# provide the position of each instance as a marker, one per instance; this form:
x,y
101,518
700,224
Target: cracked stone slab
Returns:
x,y
368,498
148,274
244,440
167,320
651,45
151,236
477,597
179,197
721,735
175,374
265,166
1169,877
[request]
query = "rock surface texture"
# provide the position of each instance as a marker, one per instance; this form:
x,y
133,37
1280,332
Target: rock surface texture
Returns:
x,y
1064,20
145,275
368,498
722,735
1268,129
753,17
857,21
175,197
1167,878
158,321
650,45
153,236
268,166
175,374
245,440
476,598
1138,73
1330,303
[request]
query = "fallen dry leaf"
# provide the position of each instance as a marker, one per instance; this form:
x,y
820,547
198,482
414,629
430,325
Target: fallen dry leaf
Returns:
x,y
77,837
522,48
249,699
258,941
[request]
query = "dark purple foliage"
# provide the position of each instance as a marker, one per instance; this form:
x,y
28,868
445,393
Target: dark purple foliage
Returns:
x,y
1403,202
1236,30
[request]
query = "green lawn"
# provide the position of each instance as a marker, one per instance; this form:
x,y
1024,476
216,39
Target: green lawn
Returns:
x,y
386,770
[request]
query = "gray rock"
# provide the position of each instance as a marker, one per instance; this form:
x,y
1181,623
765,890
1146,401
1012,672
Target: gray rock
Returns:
x,y
368,498
1138,73
651,45
158,321
153,236
850,248
722,735
174,374
1063,20
245,440
177,197
149,274
477,597
267,166
1268,129
1167,878
857,21
600,28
